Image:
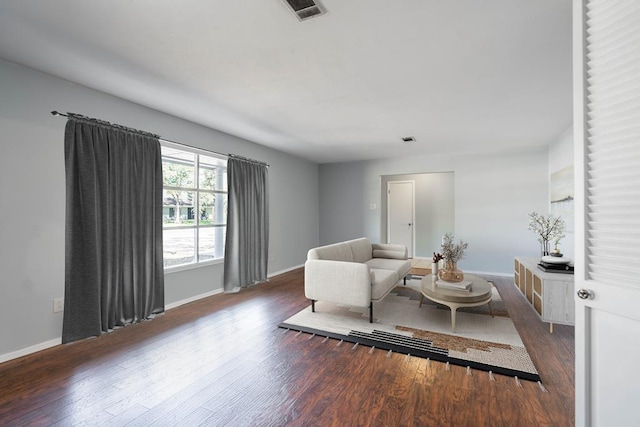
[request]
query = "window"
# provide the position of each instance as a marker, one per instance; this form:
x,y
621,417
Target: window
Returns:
x,y
194,205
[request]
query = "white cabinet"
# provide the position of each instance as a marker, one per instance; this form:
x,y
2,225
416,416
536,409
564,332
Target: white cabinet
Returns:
x,y
550,294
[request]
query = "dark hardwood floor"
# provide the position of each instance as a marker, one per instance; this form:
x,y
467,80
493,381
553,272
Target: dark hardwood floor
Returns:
x,y
223,361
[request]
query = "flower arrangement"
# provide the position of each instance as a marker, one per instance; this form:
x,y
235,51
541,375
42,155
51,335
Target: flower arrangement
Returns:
x,y
548,228
435,261
452,252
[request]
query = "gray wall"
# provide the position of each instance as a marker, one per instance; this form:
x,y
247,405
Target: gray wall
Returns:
x,y
434,209
494,192
32,197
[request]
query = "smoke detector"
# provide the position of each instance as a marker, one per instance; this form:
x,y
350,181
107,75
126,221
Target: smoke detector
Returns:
x,y
305,9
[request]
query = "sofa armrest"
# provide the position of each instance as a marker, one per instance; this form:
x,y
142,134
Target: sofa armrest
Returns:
x,y
388,250
340,282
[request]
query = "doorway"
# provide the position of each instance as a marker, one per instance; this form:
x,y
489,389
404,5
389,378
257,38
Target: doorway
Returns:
x,y
434,209
401,214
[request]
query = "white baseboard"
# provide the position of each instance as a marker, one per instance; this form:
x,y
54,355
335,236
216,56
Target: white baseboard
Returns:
x,y
489,273
28,350
485,273
286,270
193,298
58,341
219,291
482,273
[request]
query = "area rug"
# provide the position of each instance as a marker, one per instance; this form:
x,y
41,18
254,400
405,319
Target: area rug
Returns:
x,y
480,342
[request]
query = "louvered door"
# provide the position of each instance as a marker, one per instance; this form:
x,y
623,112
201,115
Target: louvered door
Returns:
x,y
607,165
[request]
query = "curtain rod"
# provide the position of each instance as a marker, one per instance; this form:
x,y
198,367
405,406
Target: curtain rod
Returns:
x,y
71,115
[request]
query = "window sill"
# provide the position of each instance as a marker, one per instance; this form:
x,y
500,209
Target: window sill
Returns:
x,y
178,268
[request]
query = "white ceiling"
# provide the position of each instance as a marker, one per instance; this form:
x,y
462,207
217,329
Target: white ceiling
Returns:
x,y
458,75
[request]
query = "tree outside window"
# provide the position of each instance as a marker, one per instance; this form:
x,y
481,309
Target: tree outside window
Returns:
x,y
194,206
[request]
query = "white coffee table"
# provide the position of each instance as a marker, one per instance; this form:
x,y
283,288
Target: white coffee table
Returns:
x,y
480,294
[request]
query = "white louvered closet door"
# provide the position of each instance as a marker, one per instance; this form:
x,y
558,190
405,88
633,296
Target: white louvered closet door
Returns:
x,y
607,164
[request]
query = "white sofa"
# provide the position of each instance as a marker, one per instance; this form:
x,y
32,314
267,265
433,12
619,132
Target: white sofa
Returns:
x,y
355,272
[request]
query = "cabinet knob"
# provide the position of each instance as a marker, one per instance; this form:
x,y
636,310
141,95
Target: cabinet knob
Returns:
x,y
584,294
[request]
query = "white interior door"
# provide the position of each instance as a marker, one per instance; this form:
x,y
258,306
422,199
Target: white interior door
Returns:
x,y
607,165
400,213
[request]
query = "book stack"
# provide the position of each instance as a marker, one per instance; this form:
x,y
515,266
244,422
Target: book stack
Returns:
x,y
551,264
464,286
555,268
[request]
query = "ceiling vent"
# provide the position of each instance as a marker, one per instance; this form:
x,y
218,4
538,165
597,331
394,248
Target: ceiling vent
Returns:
x,y
408,139
305,9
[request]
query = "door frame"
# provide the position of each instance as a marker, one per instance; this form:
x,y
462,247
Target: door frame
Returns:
x,y
581,363
412,250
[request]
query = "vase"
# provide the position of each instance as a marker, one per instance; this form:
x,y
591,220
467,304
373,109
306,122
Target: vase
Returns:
x,y
450,272
544,247
434,268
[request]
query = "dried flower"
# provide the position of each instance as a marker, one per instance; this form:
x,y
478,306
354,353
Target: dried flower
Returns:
x,y
437,257
548,228
452,252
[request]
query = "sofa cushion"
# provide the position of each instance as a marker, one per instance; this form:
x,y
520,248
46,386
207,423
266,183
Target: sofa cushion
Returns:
x,y
361,249
383,281
389,250
336,252
402,266
383,253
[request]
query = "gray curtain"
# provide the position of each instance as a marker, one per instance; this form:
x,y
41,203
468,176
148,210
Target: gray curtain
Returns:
x,y
113,242
247,243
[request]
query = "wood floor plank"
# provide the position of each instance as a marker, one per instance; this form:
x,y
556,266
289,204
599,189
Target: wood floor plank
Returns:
x,y
222,360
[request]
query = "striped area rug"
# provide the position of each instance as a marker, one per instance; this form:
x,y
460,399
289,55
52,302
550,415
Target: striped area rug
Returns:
x,y
480,342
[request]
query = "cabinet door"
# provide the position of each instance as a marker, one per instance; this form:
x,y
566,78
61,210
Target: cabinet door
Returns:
x,y
557,304
537,285
571,305
537,304
529,286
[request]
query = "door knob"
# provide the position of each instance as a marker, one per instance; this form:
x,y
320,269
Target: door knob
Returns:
x,y
584,294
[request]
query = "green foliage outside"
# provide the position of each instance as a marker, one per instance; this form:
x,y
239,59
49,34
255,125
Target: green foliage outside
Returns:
x,y
181,175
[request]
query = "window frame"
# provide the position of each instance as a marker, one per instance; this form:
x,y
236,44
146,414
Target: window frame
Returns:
x,y
195,205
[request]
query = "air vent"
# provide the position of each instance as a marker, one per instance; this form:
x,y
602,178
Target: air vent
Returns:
x,y
305,9
408,139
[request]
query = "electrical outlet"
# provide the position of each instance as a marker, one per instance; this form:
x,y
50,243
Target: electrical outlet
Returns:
x,y
58,305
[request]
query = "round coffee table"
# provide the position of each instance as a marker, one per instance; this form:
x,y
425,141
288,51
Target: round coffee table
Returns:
x,y
479,294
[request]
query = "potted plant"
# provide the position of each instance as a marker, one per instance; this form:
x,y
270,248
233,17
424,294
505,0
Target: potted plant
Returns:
x,y
437,257
548,228
451,254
